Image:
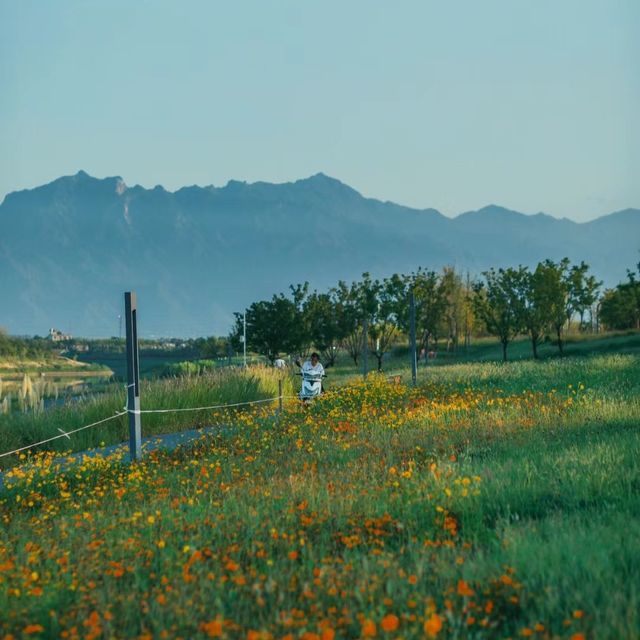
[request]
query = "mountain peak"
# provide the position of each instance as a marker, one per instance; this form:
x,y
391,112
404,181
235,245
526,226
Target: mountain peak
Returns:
x,y
321,178
489,211
321,182
497,209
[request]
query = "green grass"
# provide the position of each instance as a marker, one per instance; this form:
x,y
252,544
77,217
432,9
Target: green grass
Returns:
x,y
224,386
494,500
576,344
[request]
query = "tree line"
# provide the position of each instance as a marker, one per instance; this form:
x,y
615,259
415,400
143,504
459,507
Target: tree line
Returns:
x,y
541,303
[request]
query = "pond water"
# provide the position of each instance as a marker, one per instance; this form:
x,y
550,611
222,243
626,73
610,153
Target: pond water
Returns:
x,y
40,391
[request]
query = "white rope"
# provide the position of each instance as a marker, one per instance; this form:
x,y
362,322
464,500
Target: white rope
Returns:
x,y
216,406
66,434
62,435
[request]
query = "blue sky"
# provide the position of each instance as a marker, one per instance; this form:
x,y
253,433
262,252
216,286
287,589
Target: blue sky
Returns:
x,y
532,105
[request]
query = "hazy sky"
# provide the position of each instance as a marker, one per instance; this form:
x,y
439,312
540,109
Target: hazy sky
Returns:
x,y
454,105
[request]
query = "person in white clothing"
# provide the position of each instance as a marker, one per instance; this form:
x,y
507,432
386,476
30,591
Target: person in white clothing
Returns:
x,y
312,373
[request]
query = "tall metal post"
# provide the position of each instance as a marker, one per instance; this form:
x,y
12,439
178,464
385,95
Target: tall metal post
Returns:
x,y
133,376
244,337
412,338
365,347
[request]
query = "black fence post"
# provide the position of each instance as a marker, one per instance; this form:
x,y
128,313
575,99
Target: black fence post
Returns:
x,y
365,347
412,338
133,376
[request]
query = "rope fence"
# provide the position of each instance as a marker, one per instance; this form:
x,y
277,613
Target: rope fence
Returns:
x,y
126,410
64,434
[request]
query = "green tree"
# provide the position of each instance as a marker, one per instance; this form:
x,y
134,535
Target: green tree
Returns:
x,y
350,318
274,327
430,297
583,292
551,292
389,297
455,308
322,314
498,303
532,300
620,307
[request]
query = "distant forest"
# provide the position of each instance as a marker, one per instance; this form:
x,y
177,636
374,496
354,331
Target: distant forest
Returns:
x,y
541,303
450,309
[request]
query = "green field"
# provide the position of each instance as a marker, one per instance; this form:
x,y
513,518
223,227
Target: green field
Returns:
x,y
492,501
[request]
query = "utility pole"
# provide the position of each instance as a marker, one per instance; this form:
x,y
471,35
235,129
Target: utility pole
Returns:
x,y
133,376
244,337
412,338
365,347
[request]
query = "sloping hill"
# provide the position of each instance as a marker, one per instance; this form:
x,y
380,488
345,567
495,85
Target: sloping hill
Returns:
x,y
70,248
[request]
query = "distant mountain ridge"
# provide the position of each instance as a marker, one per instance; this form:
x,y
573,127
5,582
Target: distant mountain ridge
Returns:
x,y
68,249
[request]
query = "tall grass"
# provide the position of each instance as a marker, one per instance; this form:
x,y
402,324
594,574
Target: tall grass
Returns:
x,y
217,387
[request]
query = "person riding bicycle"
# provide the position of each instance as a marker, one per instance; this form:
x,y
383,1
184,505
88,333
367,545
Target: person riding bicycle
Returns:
x,y
312,373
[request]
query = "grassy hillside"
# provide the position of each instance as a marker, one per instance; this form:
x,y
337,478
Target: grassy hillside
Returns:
x,y
487,350
493,501
10,365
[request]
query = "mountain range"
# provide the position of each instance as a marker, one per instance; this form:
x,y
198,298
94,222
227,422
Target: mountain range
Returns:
x,y
70,248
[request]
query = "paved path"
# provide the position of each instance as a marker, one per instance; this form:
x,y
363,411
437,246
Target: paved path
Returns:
x,y
150,443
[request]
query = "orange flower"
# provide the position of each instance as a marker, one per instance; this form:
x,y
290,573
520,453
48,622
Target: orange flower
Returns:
x,y
412,579
369,629
433,625
328,634
390,622
33,628
464,589
578,613
213,628
577,636
293,555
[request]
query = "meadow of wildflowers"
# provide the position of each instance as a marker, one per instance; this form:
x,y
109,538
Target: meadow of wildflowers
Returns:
x,y
491,501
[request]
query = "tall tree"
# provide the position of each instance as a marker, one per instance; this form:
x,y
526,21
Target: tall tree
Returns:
x,y
620,307
498,303
551,294
430,305
532,301
350,318
323,321
384,327
583,291
453,321
274,327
